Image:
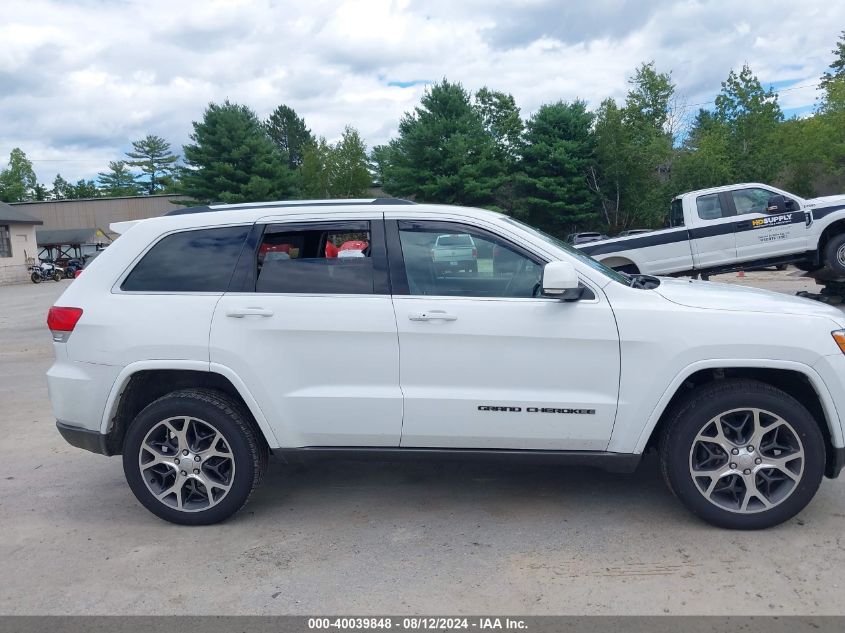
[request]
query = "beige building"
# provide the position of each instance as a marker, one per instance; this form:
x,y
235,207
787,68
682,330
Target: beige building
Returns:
x,y
98,213
17,244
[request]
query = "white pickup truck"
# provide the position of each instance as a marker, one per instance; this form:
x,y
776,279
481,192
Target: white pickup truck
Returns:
x,y
731,228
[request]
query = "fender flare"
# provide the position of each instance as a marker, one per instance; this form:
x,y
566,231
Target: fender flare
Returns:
x,y
834,423
190,365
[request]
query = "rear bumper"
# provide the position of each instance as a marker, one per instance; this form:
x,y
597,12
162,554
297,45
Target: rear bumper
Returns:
x,y
836,463
93,441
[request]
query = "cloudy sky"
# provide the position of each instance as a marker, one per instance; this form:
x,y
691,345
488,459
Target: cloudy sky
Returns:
x,y
80,79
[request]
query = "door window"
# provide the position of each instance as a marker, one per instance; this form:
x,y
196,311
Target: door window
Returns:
x,y
323,259
752,200
453,260
710,207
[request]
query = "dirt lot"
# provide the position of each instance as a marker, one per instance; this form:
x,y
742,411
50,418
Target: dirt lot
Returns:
x,y
375,538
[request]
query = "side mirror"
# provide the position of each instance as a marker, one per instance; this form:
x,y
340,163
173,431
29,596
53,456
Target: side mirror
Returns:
x,y
561,282
777,204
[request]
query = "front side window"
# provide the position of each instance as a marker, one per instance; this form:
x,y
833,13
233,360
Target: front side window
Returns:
x,y
333,258
5,241
710,207
751,200
454,260
189,261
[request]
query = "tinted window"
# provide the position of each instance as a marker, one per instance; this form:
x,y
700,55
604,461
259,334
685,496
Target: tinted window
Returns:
x,y
709,207
190,261
334,259
469,265
676,213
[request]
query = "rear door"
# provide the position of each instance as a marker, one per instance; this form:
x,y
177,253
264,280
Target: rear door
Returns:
x,y
712,237
310,328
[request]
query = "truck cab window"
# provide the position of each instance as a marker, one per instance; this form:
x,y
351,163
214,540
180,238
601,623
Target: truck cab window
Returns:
x,y
709,207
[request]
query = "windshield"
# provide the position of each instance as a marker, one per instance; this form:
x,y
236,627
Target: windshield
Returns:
x,y
583,257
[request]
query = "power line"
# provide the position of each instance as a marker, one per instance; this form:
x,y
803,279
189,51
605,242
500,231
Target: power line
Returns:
x,y
777,92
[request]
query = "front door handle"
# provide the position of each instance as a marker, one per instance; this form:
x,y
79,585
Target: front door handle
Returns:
x,y
239,313
744,225
432,315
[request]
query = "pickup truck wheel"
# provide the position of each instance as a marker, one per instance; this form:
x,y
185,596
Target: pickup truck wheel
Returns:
x,y
192,457
834,253
741,454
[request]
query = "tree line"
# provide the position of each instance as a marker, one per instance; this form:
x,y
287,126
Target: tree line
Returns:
x,y
564,168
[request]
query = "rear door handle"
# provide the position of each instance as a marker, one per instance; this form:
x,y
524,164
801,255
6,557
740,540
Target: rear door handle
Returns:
x,y
239,313
432,315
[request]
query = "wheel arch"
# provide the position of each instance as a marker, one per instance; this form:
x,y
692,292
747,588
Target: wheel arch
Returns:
x,y
800,381
834,228
141,383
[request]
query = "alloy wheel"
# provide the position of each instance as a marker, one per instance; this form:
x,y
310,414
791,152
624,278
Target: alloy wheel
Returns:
x,y
746,460
186,463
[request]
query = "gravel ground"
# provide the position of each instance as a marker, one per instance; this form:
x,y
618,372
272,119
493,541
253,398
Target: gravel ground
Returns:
x,y
358,538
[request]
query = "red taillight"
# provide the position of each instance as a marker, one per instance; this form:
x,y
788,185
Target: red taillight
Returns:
x,y
77,273
61,321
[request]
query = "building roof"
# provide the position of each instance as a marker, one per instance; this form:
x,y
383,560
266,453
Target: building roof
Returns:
x,y
51,237
13,216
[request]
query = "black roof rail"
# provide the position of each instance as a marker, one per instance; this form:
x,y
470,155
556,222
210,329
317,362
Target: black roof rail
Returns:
x,y
290,204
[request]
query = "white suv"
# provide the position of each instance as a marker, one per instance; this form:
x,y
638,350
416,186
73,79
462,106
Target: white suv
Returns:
x,y
200,342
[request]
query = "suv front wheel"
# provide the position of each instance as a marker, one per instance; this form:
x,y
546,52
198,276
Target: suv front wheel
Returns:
x,y
742,454
192,457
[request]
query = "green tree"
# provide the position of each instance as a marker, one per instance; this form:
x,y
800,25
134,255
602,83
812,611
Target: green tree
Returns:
x,y
837,66
704,160
40,192
60,188
442,153
634,151
556,160
82,189
17,180
752,116
379,160
350,176
119,180
501,120
152,155
290,134
232,159
316,170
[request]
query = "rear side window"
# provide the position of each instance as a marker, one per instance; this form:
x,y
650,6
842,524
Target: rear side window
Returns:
x,y
709,207
333,258
190,261
676,213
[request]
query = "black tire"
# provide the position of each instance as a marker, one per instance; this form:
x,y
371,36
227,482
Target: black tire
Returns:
x,y
57,276
248,450
707,402
628,269
36,278
834,253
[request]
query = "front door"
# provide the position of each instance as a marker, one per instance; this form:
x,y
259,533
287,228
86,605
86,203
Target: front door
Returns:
x,y
761,235
485,362
312,333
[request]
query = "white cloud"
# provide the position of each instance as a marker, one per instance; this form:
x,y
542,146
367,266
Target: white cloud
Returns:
x,y
80,79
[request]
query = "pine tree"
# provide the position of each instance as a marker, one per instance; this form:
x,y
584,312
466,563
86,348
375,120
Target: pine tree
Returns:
x,y
555,164
232,159
442,153
118,181
153,157
290,135
350,176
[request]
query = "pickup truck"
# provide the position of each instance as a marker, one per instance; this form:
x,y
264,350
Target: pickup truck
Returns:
x,y
732,228
453,253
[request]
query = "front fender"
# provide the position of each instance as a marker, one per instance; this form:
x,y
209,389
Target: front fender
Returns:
x,y
820,386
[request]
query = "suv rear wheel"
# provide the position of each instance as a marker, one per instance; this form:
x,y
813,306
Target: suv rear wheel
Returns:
x,y
192,457
741,454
